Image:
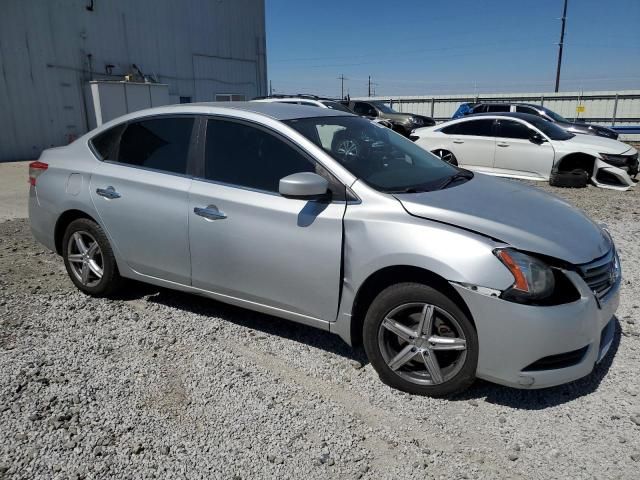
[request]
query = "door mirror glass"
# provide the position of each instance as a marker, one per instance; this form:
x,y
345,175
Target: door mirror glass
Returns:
x,y
303,185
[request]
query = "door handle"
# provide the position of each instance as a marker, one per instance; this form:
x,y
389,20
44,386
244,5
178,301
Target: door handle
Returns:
x,y
458,141
503,144
211,212
108,192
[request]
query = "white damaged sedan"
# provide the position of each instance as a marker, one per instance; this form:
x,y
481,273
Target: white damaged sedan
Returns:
x,y
521,145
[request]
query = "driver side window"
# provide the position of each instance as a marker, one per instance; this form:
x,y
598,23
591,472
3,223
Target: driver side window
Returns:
x,y
248,156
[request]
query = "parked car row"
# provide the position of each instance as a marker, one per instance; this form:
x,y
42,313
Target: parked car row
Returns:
x,y
378,112
523,145
539,111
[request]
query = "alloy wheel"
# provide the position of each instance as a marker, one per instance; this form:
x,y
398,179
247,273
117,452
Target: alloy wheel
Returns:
x,y
445,155
85,258
422,343
348,149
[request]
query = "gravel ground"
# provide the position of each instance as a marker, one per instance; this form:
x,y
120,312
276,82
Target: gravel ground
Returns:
x,y
159,384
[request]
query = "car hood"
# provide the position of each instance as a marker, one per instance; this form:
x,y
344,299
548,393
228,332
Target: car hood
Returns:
x,y
522,216
587,128
599,144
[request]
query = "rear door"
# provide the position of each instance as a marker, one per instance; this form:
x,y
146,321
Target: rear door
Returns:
x,y
257,246
140,191
517,155
472,142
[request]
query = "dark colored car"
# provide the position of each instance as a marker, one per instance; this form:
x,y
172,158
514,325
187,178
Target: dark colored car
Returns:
x,y
403,123
538,110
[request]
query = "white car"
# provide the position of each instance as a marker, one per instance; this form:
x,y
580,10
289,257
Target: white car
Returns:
x,y
525,146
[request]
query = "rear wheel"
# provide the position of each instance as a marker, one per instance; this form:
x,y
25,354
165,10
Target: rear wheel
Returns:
x,y
447,156
89,259
576,178
419,341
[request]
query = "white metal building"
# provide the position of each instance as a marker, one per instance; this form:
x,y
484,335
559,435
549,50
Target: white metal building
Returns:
x,y
203,50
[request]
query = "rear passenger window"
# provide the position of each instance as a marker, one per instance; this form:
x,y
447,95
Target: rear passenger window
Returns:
x,y
480,128
157,143
498,108
249,157
526,110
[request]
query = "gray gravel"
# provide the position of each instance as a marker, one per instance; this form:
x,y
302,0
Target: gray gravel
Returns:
x,y
159,384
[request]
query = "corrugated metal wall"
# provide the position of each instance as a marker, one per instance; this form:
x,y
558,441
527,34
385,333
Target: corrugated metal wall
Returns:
x,y
50,49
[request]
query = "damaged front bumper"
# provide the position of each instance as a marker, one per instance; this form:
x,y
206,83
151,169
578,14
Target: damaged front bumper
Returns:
x,y
606,175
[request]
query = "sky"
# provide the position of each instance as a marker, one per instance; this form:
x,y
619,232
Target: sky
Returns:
x,y
436,47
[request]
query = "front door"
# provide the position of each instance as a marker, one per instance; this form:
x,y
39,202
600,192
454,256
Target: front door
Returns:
x,y
141,193
517,155
250,243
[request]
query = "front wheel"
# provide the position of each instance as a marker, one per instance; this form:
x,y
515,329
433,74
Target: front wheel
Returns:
x,y
419,341
446,155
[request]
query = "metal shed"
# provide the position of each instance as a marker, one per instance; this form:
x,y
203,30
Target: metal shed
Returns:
x,y
203,50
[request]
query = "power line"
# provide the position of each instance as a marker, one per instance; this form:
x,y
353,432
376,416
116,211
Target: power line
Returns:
x,y
342,78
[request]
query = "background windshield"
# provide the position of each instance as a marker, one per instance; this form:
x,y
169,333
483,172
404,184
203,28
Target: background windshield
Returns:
x,y
383,108
335,106
382,158
551,130
555,116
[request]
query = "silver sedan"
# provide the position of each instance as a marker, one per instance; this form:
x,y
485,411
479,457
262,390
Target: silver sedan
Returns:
x,y
324,218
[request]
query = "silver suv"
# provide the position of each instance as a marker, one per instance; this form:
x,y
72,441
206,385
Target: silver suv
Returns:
x,y
323,218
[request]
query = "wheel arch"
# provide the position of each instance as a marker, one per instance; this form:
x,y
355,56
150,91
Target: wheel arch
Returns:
x,y
63,222
391,275
577,160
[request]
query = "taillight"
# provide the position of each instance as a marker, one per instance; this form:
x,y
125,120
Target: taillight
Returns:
x,y
35,170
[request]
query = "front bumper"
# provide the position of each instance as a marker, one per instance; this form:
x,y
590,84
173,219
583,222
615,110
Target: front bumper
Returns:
x,y
513,336
615,178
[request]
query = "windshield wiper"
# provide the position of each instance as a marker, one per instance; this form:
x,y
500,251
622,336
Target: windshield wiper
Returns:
x,y
462,174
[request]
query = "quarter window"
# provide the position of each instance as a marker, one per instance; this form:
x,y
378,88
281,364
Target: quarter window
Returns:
x,y
247,156
511,129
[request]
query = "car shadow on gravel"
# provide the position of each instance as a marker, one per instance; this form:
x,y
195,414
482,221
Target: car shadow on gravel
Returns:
x,y
547,397
259,322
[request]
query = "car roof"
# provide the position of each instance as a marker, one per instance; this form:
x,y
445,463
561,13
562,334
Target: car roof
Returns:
x,y
506,102
527,117
274,110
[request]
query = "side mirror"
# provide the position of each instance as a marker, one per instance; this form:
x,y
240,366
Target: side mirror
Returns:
x,y
303,185
536,138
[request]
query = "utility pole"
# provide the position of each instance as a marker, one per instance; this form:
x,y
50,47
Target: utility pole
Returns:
x,y
270,89
369,85
561,44
342,78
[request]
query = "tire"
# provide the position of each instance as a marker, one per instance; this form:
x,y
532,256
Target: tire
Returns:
x,y
447,156
400,308
574,179
89,259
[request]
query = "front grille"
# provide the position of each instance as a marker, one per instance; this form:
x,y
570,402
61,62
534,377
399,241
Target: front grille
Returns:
x,y
601,274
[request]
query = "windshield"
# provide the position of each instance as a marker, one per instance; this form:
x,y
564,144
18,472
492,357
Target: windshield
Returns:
x,y
335,106
551,130
380,157
555,116
383,108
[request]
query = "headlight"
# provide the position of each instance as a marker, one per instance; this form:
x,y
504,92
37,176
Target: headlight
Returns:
x,y
615,160
534,279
